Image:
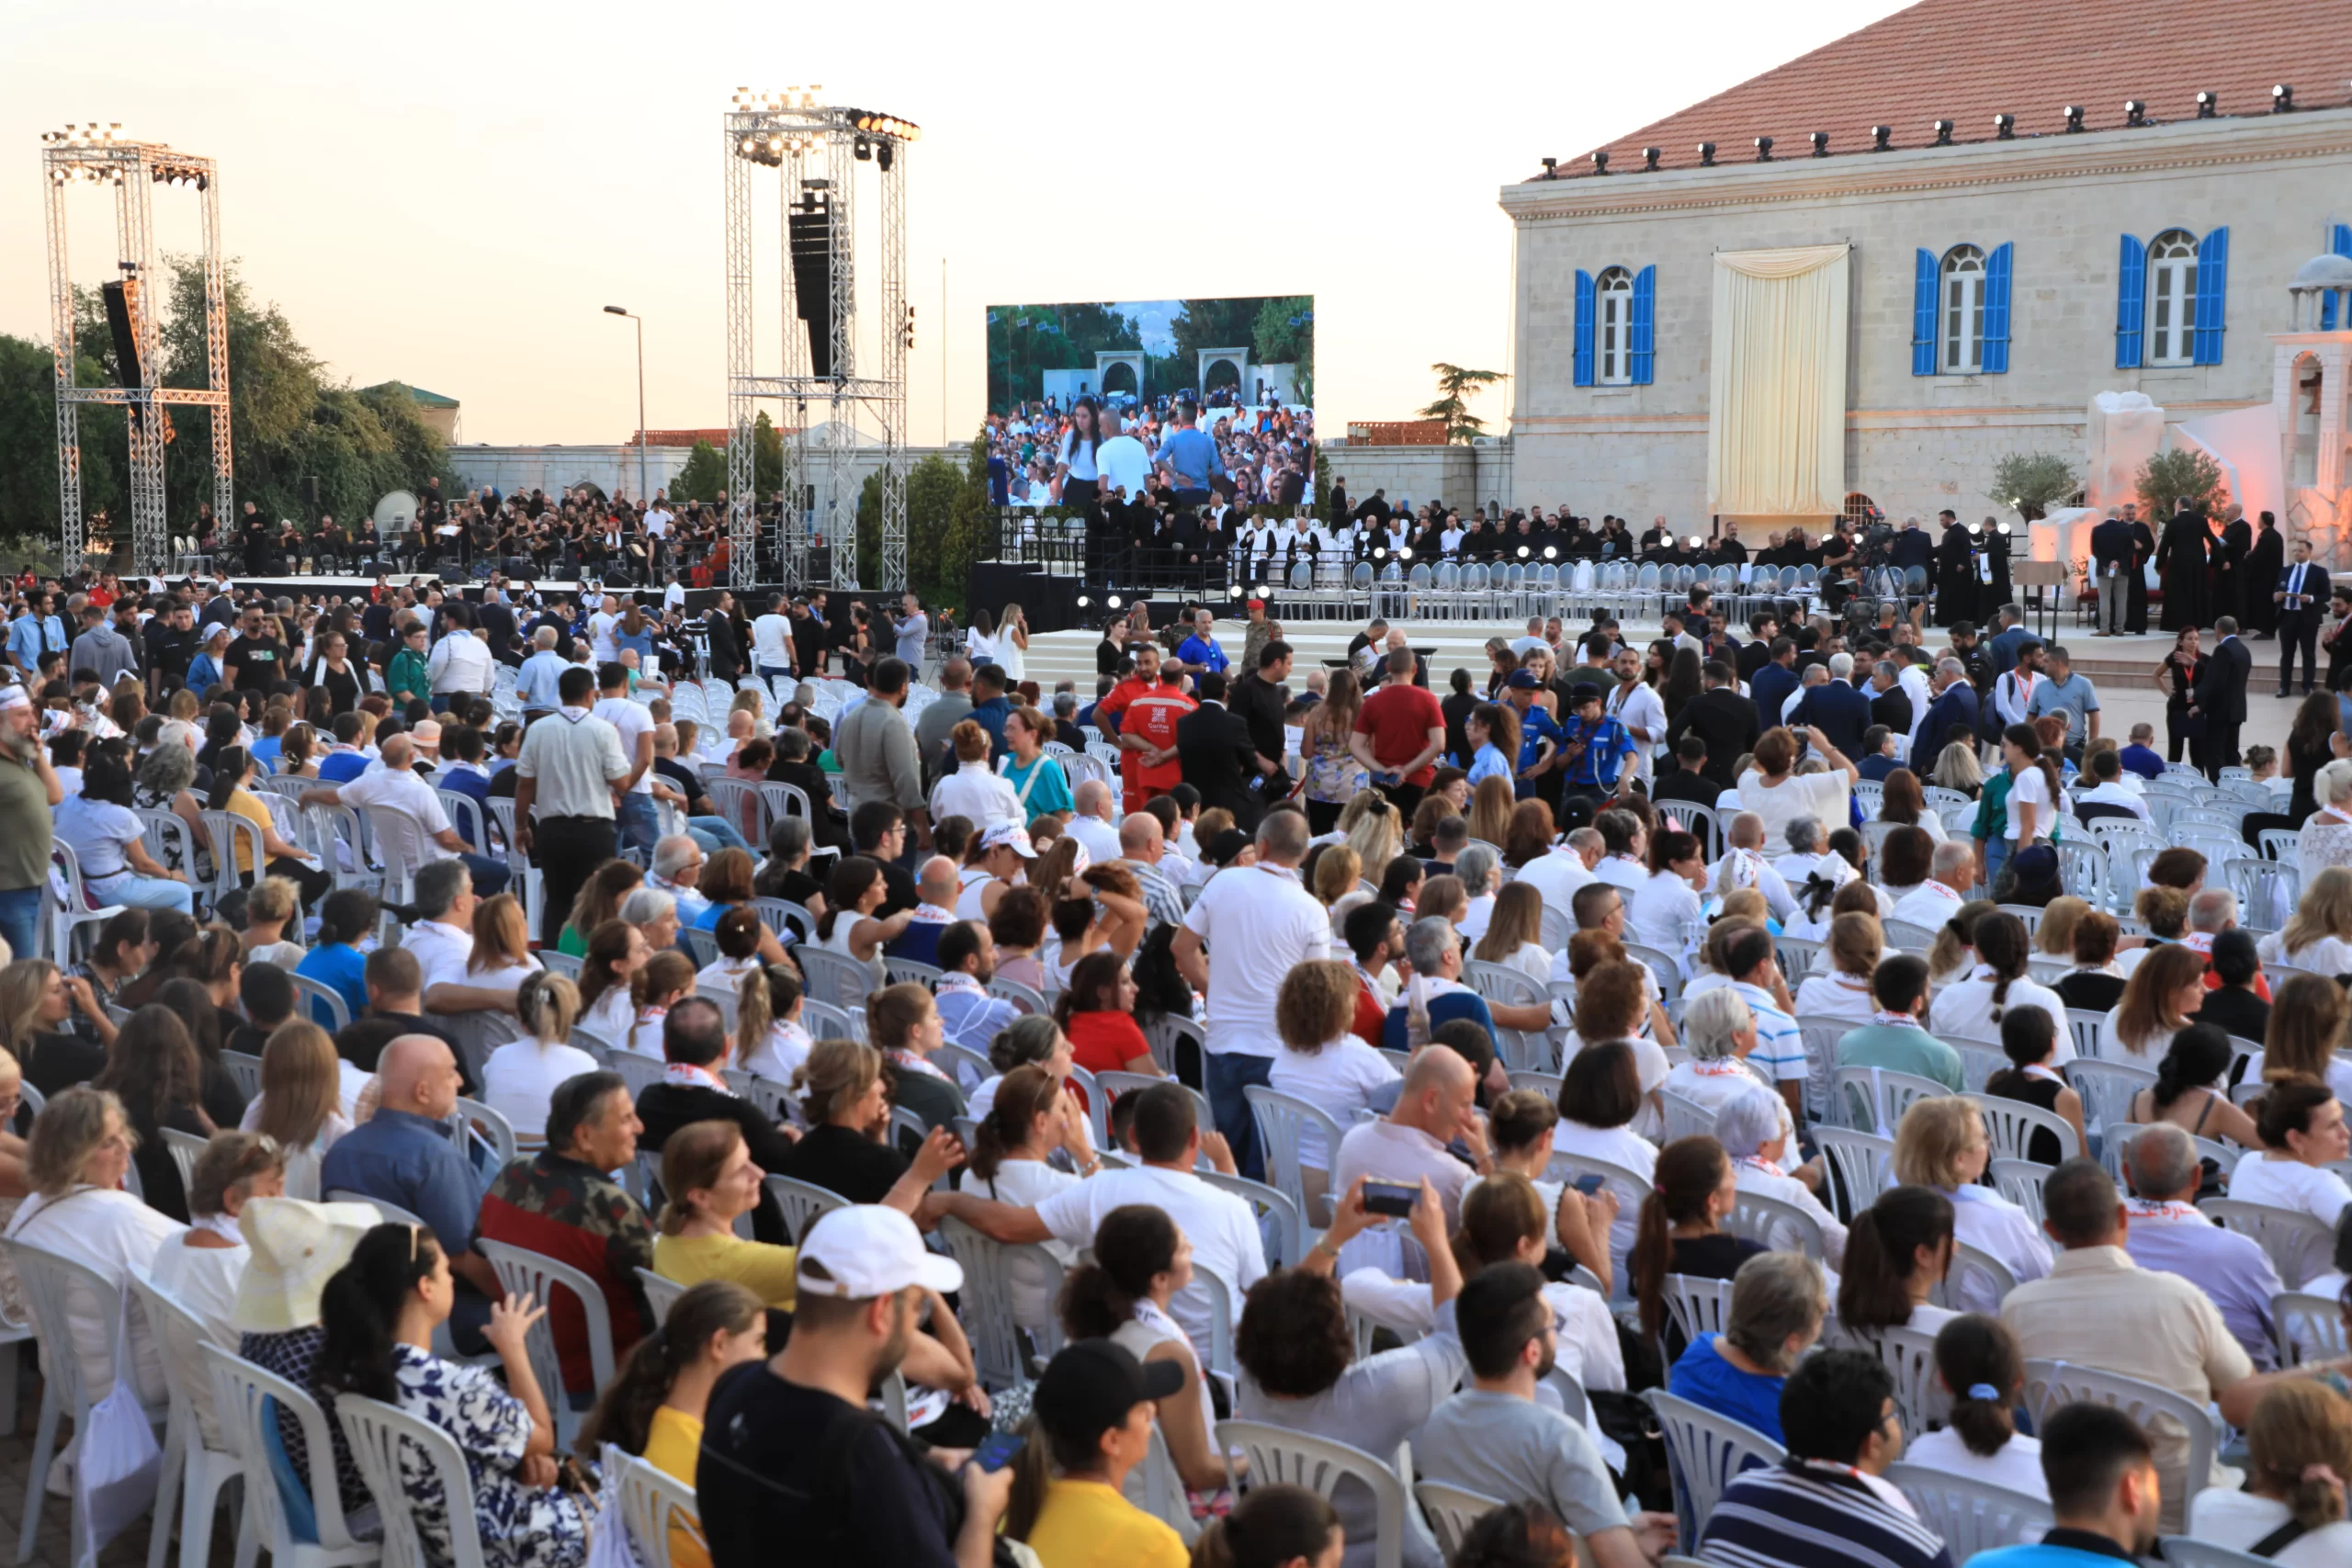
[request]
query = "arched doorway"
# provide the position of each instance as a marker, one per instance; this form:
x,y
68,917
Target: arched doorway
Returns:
x,y
1858,508
2310,383
1221,373
1120,380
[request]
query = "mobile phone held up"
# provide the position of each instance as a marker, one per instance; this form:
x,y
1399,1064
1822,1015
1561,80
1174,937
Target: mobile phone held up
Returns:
x,y
1588,1185
1390,1197
997,1450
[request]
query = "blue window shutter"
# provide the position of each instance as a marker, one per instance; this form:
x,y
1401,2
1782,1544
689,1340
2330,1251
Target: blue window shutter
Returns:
x,y
1645,316
2213,296
1923,315
2131,303
1997,312
1584,328
2341,243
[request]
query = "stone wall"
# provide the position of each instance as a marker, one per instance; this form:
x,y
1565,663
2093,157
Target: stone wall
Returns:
x,y
1915,444
1461,477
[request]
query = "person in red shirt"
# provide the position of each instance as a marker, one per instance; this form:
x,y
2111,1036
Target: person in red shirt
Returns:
x,y
1376,938
1096,1011
1142,682
1153,718
1400,731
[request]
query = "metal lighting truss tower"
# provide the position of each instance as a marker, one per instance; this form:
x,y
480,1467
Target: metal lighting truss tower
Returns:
x,y
815,149
90,154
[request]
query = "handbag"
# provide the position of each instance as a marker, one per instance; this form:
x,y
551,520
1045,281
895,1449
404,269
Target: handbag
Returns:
x,y
120,1464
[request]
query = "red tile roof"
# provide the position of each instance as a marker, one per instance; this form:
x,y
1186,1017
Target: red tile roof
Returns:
x,y
1966,60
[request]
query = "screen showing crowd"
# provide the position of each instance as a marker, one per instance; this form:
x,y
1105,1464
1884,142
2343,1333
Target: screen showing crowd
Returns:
x,y
1089,402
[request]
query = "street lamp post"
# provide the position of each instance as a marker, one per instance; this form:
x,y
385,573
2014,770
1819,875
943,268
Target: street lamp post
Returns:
x,y
644,492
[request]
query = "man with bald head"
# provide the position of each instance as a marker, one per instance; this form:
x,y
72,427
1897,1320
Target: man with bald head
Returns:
x,y
1096,824
403,1156
937,887
1438,1104
2167,1232
1143,845
393,787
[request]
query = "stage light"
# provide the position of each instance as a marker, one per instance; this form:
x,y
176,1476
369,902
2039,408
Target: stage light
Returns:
x,y
1113,601
1264,591
1976,527
1551,169
862,149
1820,139
2283,99
2002,528
2136,111
1763,149
1380,552
2073,118
1942,128
1706,154
886,154
1881,138
1524,552
2208,106
1234,591
1601,163
2005,127
1404,552
1696,541
1650,157
1083,602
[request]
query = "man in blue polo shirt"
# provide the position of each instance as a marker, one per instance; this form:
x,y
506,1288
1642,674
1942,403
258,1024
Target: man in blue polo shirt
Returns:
x,y
1200,651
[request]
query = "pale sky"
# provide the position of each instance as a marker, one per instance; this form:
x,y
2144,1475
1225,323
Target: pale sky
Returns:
x,y
447,195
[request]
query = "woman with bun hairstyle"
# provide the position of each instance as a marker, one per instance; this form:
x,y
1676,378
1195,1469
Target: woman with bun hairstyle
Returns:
x,y
1977,1360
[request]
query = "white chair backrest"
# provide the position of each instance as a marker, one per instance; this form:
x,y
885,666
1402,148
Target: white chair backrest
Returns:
x,y
1873,1099
1860,1164
661,1295
987,1302
803,1202
478,1120
833,978
242,1395
1971,1515
2300,1246
338,1010
2049,1384
1685,1117
378,1433
1281,1456
1776,1226
653,1502
1280,1119
1451,1512
1696,1304
1909,1356
185,1149
59,1291
1704,1450
523,1272
1280,1225
392,1213
2010,1124
401,841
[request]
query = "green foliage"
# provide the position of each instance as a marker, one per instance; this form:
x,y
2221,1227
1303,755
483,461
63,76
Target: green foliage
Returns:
x,y
2030,483
2167,476
1323,503
933,487
1026,341
704,475
768,456
1456,388
971,524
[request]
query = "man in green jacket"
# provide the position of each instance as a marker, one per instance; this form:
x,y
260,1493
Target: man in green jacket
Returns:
x,y
405,677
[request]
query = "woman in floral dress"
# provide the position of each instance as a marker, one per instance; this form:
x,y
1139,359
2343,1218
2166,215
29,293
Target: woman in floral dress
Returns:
x,y
381,1310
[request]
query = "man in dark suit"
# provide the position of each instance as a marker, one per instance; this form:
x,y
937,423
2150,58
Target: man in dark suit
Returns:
x,y
1724,723
1773,680
1835,709
2234,590
2298,601
1889,704
2143,550
1954,708
2111,564
1257,698
725,647
2219,697
2183,564
1757,651
1213,749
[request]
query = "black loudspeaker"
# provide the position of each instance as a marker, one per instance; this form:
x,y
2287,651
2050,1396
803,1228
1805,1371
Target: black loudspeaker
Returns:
x,y
809,229
311,492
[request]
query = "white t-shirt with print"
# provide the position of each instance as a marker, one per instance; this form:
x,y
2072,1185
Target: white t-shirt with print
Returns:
x,y
1339,1080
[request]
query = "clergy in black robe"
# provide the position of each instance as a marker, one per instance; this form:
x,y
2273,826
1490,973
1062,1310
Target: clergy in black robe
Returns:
x,y
2265,561
2233,583
2182,561
1993,547
2143,550
1955,576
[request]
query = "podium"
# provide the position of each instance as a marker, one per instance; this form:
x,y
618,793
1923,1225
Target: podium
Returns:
x,y
2040,608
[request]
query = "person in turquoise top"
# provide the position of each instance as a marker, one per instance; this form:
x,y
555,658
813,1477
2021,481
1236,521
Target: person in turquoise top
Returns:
x,y
1040,783
405,678
1494,742
2103,1494
1894,1039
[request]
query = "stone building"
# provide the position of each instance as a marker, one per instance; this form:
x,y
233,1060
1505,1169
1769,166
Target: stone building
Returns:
x,y
1870,273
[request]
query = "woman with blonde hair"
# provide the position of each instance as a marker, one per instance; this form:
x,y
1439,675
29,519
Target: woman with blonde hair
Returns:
x,y
520,1077
2325,839
1515,931
501,958
1958,769
974,790
1952,955
1941,1143
2163,909
1490,807
36,999
1334,778
1856,944
2319,937
769,1039
2054,937
2163,994
2307,1019
848,1148
301,1103
1374,835
1337,872
2299,1443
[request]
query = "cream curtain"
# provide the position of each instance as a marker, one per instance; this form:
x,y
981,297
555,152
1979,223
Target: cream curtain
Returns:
x,y
1776,427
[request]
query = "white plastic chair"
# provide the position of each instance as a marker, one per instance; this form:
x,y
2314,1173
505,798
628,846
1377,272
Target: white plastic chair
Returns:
x,y
1776,1226
1873,1099
1909,1356
987,1303
2300,1246
248,1400
1971,1515
2049,1384
1280,1119
2010,1125
1280,1457
472,1118
834,978
185,1149
194,1470
661,1295
2307,1327
377,1432
307,990
804,1202
1451,1511
1861,1163
653,1502
1696,1304
1685,1117
1704,1450
523,1272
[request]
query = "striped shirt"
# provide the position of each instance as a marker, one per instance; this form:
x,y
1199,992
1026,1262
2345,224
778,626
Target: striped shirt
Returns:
x,y
1805,1516
1780,1044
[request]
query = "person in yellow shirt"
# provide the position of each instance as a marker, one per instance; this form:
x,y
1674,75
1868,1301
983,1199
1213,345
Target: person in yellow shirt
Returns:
x,y
707,1170
1090,1423
654,1408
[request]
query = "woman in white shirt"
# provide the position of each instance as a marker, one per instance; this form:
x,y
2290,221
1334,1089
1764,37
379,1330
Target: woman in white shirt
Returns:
x,y
1897,1252
201,1268
980,642
1856,944
2319,937
1977,1360
616,950
300,1104
520,1077
2034,797
2299,1443
975,790
1666,909
1324,1063
1972,1009
2303,1133
1942,1144
2325,840
849,926
501,960
1600,1096
2164,991
1476,866
1029,1117
769,1039
1778,794
1513,934
1752,1127
75,1162
1719,1032
2307,1014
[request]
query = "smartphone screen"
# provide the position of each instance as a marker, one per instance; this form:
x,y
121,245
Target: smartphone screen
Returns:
x,y
1588,1185
996,1450
1389,1197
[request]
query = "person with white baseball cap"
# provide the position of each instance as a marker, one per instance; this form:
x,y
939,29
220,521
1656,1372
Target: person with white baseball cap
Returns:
x,y
1004,849
792,1453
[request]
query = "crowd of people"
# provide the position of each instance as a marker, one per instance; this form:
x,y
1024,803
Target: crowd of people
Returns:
x,y
1126,452
1509,996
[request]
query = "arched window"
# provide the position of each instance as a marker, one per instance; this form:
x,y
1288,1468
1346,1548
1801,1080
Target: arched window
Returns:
x,y
1613,294
1960,317
2172,298
1858,508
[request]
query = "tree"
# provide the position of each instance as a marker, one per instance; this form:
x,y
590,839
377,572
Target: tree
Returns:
x,y
768,456
2183,473
704,475
2030,483
970,524
1456,388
